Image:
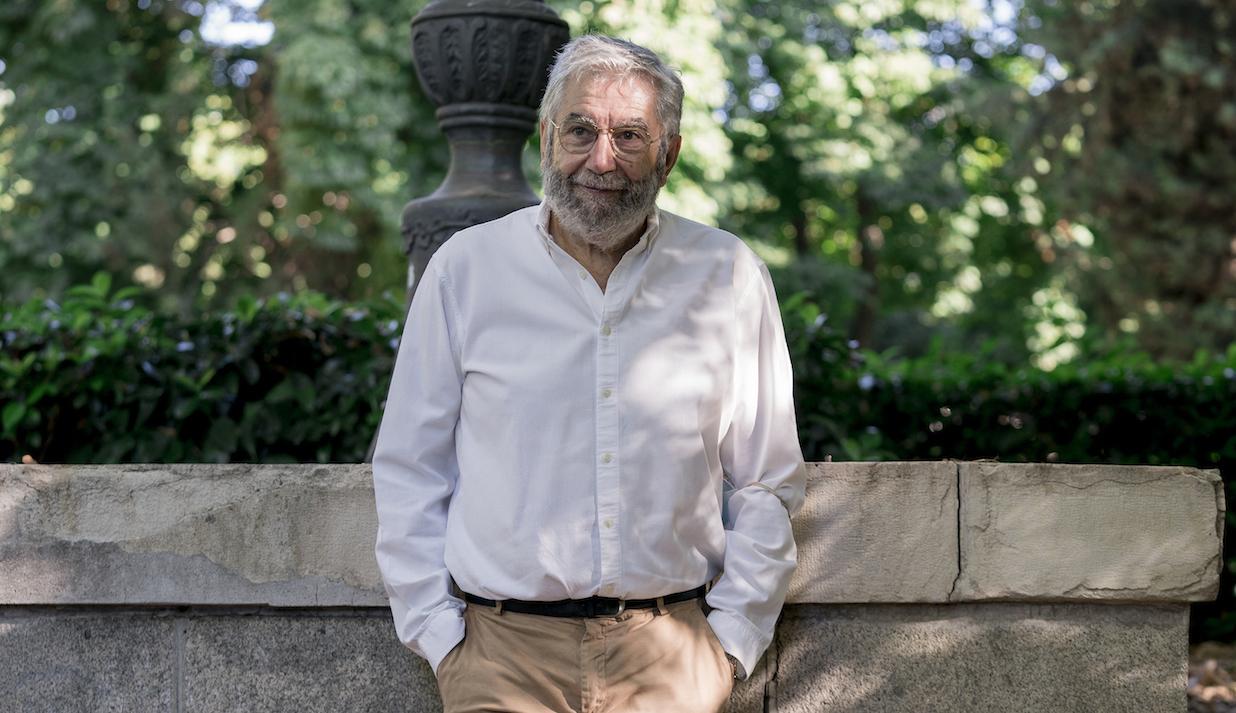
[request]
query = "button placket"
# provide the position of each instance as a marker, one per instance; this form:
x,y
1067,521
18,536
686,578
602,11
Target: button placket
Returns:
x,y
608,462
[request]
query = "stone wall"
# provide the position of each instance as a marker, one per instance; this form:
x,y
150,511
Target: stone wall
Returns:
x,y
950,587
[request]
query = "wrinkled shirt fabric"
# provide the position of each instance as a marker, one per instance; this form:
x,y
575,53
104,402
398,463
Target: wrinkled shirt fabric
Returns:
x,y
544,439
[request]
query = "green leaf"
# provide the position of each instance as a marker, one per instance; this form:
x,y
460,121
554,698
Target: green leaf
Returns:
x,y
13,413
101,282
284,391
246,308
222,437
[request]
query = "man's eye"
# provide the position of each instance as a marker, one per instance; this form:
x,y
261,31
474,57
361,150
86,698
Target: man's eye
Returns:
x,y
579,132
629,135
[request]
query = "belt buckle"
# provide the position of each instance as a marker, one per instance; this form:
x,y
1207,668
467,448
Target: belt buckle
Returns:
x,y
607,606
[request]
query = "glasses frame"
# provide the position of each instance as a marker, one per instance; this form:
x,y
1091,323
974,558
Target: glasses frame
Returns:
x,y
613,143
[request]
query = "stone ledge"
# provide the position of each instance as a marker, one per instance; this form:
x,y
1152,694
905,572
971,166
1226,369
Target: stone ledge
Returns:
x,y
296,535
302,535
876,532
1081,532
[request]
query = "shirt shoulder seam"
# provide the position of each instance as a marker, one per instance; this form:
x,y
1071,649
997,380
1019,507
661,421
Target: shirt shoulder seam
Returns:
x,y
455,327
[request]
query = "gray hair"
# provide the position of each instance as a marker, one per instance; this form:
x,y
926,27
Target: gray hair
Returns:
x,y
599,55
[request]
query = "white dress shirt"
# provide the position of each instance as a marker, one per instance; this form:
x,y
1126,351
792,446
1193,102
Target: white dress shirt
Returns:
x,y
545,440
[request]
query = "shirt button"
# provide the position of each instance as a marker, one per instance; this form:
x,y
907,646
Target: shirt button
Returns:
x,y
607,457
605,330
583,275
609,524
606,393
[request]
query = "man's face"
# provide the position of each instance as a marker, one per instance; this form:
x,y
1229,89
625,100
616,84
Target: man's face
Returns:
x,y
600,196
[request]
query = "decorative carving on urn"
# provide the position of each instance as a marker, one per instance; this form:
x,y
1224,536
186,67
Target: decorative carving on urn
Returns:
x,y
484,63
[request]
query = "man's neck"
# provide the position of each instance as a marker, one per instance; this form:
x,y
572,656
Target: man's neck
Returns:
x,y
599,262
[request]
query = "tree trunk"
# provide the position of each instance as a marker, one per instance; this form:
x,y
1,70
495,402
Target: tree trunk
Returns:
x,y
870,241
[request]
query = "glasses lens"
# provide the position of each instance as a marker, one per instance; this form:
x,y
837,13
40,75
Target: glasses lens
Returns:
x,y
578,138
630,141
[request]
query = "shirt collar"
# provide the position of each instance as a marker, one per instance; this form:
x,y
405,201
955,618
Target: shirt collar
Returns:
x,y
651,229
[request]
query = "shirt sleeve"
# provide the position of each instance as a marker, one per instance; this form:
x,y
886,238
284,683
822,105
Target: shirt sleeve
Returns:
x,y
414,474
761,457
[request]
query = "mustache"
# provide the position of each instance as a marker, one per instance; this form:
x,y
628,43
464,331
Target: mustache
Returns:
x,y
605,182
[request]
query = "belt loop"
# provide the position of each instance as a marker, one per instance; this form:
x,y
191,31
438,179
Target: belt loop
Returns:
x,y
661,606
498,606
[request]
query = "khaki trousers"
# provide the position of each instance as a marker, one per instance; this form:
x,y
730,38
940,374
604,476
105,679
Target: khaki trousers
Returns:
x,y
635,662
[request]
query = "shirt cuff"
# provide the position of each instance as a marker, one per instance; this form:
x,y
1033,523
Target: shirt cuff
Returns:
x,y
740,639
441,634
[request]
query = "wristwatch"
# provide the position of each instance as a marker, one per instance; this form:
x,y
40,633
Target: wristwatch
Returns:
x,y
733,666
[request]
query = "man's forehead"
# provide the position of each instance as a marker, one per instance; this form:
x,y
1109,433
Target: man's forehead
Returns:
x,y
628,99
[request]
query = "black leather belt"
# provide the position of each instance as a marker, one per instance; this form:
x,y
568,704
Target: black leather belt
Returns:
x,y
590,607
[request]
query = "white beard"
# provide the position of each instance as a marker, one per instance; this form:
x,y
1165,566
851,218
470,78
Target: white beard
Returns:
x,y
600,221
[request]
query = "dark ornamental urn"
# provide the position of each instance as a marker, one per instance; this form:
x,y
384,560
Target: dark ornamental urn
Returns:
x,y
484,64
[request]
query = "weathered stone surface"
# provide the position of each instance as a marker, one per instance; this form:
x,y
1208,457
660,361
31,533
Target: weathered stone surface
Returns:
x,y
308,664
1033,531
60,662
188,534
302,535
978,658
951,658
877,532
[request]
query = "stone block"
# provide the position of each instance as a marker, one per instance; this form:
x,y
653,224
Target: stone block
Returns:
x,y
1052,532
60,662
297,535
977,658
876,532
309,664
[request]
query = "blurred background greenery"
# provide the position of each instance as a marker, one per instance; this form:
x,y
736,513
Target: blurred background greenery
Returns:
x,y
1039,176
999,229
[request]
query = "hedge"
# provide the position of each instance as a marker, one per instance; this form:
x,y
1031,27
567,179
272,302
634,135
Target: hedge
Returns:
x,y
99,379
301,378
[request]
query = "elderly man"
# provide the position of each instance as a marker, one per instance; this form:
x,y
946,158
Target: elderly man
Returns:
x,y
588,460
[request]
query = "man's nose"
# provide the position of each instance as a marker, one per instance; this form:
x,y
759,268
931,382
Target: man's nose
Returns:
x,y
601,157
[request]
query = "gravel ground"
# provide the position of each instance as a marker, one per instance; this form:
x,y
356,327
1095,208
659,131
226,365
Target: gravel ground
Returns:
x,y
1211,688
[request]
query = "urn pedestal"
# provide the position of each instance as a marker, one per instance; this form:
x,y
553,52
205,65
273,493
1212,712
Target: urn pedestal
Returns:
x,y
484,64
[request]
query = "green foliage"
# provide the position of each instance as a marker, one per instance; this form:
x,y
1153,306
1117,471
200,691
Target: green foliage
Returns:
x,y
1032,176
846,134
356,138
100,379
208,171
79,161
1136,142
871,137
1121,407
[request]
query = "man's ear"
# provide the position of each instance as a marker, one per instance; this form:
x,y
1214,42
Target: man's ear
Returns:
x,y
671,157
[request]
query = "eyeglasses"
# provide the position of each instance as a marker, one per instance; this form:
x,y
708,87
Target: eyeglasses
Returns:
x,y
578,136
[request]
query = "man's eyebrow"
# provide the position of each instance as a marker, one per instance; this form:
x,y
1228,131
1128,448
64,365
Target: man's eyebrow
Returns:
x,y
580,117
635,123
